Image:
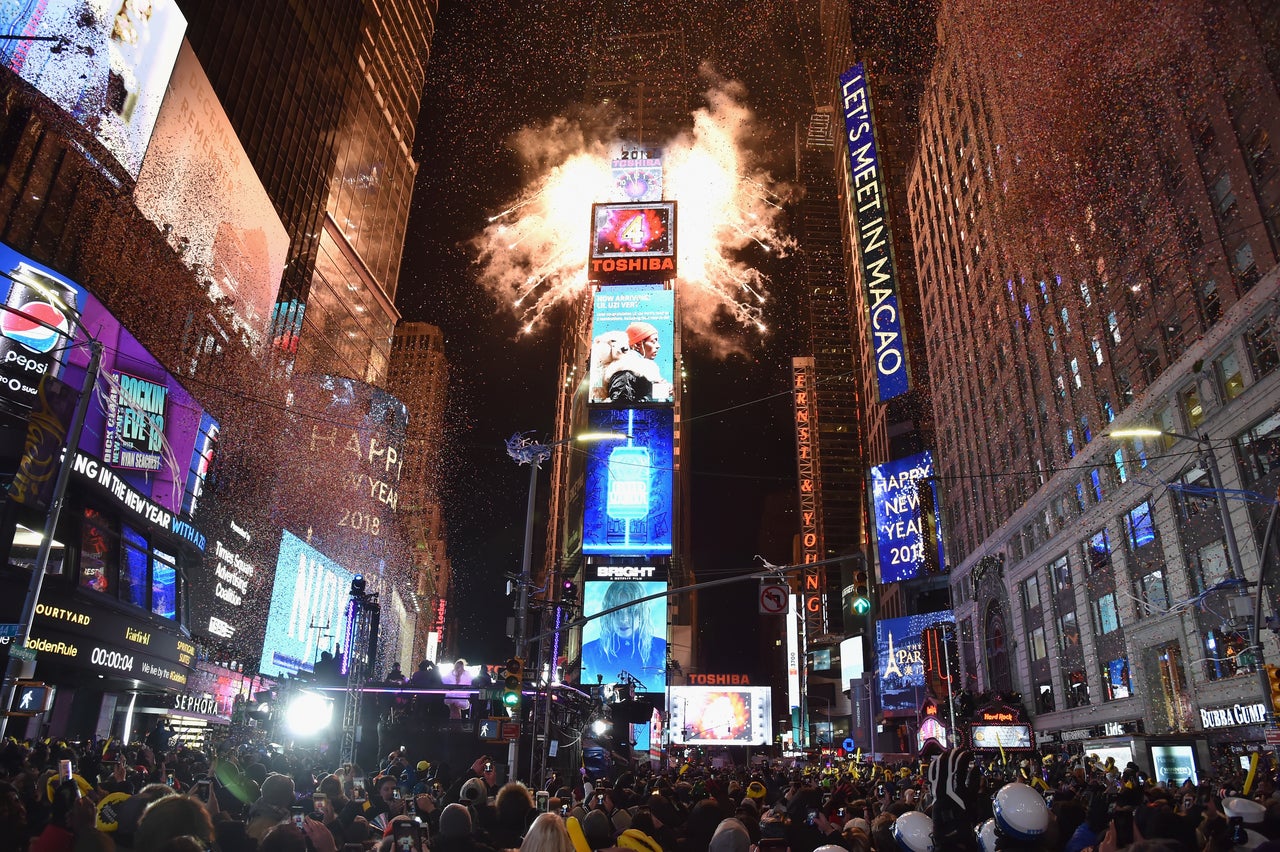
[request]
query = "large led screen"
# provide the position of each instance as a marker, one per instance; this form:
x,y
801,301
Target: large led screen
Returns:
x,y
900,659
198,185
1001,736
1174,764
902,519
105,64
308,609
627,503
633,332
40,310
632,641
145,425
633,239
713,715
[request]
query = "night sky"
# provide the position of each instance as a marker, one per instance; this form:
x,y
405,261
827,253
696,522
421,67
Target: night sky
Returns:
x,y
497,67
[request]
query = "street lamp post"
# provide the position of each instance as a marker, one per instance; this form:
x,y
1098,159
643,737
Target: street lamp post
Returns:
x,y
527,450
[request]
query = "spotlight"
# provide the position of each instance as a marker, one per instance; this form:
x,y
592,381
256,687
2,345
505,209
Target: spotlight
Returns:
x,y
357,585
599,726
308,714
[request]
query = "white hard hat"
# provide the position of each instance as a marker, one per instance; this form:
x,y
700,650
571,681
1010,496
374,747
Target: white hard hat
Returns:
x,y
987,836
1020,812
914,832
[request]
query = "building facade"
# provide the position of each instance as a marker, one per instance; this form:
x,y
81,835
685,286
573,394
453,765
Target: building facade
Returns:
x,y
1092,575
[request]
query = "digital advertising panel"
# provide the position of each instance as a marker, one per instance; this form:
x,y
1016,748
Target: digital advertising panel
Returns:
x,y
900,659
352,447
229,588
709,715
637,174
632,344
198,185
1174,764
631,240
875,243
105,64
905,524
1001,736
40,309
631,641
627,502
148,429
308,609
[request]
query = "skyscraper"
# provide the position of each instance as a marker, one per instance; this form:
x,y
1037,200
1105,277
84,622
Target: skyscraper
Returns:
x,y
419,377
325,99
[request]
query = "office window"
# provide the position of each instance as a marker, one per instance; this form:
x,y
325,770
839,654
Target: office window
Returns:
x,y
1030,595
1036,645
1262,349
1229,375
1115,679
1097,552
1139,526
1153,592
1104,611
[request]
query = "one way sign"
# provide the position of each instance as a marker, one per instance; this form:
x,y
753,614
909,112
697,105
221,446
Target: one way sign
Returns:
x,y
773,598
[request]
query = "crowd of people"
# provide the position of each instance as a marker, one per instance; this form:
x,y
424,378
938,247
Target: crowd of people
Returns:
x,y
95,797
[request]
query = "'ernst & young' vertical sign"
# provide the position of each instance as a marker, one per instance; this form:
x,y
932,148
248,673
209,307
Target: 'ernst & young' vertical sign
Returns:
x,y
875,245
813,579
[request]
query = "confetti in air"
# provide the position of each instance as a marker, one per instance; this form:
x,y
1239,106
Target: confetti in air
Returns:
x,y
533,254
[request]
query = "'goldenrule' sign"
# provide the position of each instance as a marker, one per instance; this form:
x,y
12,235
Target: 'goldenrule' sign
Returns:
x,y
875,247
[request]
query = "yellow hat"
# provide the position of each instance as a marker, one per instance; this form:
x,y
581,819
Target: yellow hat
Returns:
x,y
50,785
634,838
108,818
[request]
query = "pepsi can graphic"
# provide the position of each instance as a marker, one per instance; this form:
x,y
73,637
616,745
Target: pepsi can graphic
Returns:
x,y
36,325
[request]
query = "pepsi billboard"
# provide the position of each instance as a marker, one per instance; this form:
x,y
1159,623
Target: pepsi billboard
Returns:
x,y
900,659
628,496
36,323
154,435
906,524
308,611
875,241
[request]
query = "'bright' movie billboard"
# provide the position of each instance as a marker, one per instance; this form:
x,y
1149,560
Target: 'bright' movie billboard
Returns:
x,y
308,609
627,505
902,519
632,332
631,640
900,659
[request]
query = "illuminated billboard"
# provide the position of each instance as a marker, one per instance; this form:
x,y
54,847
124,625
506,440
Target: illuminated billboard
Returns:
x,y
637,175
105,64
904,522
148,429
627,501
712,715
875,242
630,240
40,309
632,641
900,660
632,344
1000,736
308,609
198,185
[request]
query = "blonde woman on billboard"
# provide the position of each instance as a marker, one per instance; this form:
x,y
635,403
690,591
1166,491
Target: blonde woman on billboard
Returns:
x,y
627,642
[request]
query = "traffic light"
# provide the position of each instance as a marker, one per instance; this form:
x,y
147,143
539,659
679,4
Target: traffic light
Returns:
x,y
1273,680
513,677
568,593
861,599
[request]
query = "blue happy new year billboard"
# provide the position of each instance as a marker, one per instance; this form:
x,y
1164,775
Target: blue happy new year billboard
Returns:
x,y
875,243
901,525
900,659
627,509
